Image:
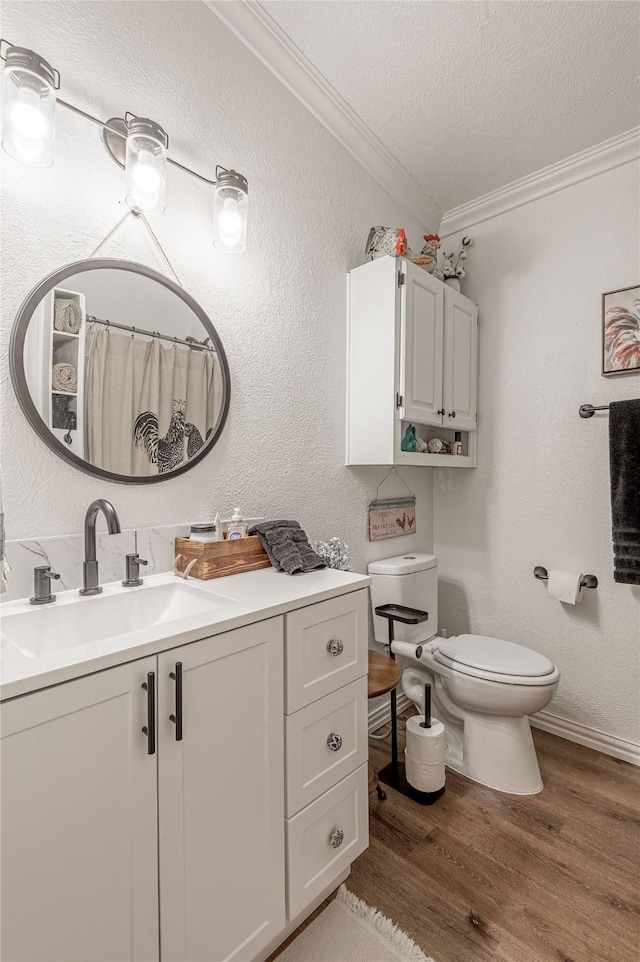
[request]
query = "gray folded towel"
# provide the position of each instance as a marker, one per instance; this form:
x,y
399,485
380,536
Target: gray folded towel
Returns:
x,y
624,459
287,546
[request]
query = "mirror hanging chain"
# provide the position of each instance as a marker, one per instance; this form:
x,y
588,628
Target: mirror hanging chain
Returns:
x,y
193,344
152,234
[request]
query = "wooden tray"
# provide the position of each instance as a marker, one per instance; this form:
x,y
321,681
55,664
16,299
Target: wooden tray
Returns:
x,y
215,559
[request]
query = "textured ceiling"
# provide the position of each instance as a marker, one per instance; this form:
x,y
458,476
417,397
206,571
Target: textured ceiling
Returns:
x,y
470,96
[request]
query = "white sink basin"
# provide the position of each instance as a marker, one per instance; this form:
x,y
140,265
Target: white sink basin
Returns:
x,y
73,620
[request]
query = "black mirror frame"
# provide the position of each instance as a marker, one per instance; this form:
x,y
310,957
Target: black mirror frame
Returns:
x,y
19,380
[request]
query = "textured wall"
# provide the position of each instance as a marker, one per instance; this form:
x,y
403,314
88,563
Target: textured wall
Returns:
x,y
280,309
541,492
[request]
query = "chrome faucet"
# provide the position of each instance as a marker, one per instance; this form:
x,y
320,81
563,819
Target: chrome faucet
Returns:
x,y
90,566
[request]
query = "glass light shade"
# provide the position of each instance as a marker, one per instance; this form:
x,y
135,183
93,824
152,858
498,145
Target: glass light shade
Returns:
x,y
28,107
230,212
146,166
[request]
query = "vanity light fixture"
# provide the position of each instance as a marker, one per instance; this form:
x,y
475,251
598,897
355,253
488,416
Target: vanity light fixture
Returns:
x,y
230,211
29,87
145,165
136,144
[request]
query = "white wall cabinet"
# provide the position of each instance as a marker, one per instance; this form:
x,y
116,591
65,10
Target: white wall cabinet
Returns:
x,y
421,312
79,822
460,362
412,359
143,806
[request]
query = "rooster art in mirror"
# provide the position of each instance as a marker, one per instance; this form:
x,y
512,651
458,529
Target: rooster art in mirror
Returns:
x,y
120,371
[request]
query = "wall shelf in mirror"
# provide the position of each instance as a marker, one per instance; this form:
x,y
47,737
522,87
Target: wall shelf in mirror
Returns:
x,y
136,399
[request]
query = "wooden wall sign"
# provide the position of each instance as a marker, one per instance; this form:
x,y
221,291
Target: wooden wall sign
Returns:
x,y
391,518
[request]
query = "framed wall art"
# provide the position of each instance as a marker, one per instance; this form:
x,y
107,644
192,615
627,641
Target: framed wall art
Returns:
x,y
621,331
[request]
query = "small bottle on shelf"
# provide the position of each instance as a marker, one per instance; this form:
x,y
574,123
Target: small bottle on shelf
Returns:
x,y
457,443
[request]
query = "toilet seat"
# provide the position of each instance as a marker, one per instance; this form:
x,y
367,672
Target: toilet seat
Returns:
x,y
496,660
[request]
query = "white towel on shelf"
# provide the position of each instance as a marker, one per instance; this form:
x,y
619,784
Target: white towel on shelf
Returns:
x,y
67,315
64,377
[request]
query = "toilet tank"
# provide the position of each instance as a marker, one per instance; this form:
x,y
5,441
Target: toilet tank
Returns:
x,y
409,579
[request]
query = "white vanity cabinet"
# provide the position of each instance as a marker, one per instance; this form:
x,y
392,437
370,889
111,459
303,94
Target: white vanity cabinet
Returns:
x,y
175,807
412,359
79,822
221,796
326,744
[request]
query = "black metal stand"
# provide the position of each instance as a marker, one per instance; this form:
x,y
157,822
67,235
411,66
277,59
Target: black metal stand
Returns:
x,y
394,773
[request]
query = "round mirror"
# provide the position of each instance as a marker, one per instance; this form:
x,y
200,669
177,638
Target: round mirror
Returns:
x,y
120,371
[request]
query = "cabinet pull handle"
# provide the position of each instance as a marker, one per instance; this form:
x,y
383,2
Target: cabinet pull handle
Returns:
x,y
150,728
177,718
336,838
334,742
440,411
335,647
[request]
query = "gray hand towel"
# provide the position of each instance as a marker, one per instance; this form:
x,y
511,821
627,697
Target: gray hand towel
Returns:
x,y
287,546
624,460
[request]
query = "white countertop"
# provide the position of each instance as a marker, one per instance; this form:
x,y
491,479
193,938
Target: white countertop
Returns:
x,y
255,595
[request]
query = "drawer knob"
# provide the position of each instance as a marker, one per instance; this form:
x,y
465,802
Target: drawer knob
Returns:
x,y
336,838
335,647
334,742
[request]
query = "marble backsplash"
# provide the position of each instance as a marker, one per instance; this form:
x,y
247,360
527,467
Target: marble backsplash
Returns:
x,y
65,555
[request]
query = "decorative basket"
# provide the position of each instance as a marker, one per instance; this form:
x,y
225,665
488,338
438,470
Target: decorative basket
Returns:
x,y
216,559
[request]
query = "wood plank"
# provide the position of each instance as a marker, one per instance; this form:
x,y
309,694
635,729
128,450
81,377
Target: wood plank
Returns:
x,y
216,559
384,674
482,875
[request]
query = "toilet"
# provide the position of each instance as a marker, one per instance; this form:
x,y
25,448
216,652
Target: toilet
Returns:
x,y
482,688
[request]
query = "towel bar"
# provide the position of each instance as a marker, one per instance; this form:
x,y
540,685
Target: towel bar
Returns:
x,y
586,581
588,410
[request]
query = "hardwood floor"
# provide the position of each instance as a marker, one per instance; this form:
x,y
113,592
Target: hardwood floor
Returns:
x,y
486,877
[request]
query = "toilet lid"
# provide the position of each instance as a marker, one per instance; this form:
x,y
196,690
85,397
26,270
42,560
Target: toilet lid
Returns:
x,y
493,654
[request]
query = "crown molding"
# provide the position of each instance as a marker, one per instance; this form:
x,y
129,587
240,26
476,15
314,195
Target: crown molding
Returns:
x,y
265,38
623,149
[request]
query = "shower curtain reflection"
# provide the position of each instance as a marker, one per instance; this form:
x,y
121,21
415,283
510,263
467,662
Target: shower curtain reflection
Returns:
x,y
148,407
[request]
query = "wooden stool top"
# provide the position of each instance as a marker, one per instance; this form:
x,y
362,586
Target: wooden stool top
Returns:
x,y
384,674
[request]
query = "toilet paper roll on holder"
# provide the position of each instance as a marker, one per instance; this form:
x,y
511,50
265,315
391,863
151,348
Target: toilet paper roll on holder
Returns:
x,y
586,581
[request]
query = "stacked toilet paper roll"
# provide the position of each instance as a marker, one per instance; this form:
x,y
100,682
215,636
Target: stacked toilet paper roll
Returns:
x,y
424,755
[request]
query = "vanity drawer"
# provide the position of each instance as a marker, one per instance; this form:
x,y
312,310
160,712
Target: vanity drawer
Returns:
x,y
326,646
324,838
325,741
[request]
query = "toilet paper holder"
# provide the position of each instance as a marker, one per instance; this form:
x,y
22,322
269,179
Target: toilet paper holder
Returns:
x,y
586,581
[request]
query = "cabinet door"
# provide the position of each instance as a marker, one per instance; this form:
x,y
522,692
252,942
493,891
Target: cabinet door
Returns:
x,y
421,352
221,796
460,386
79,822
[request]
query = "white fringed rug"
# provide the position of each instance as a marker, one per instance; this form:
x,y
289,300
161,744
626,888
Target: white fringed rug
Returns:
x,y
349,930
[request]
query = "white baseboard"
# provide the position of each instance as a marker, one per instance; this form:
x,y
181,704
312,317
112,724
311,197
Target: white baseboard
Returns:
x,y
548,722
381,714
589,737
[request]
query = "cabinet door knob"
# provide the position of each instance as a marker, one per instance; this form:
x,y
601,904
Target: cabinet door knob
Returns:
x,y
336,838
334,742
440,411
452,414
335,647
